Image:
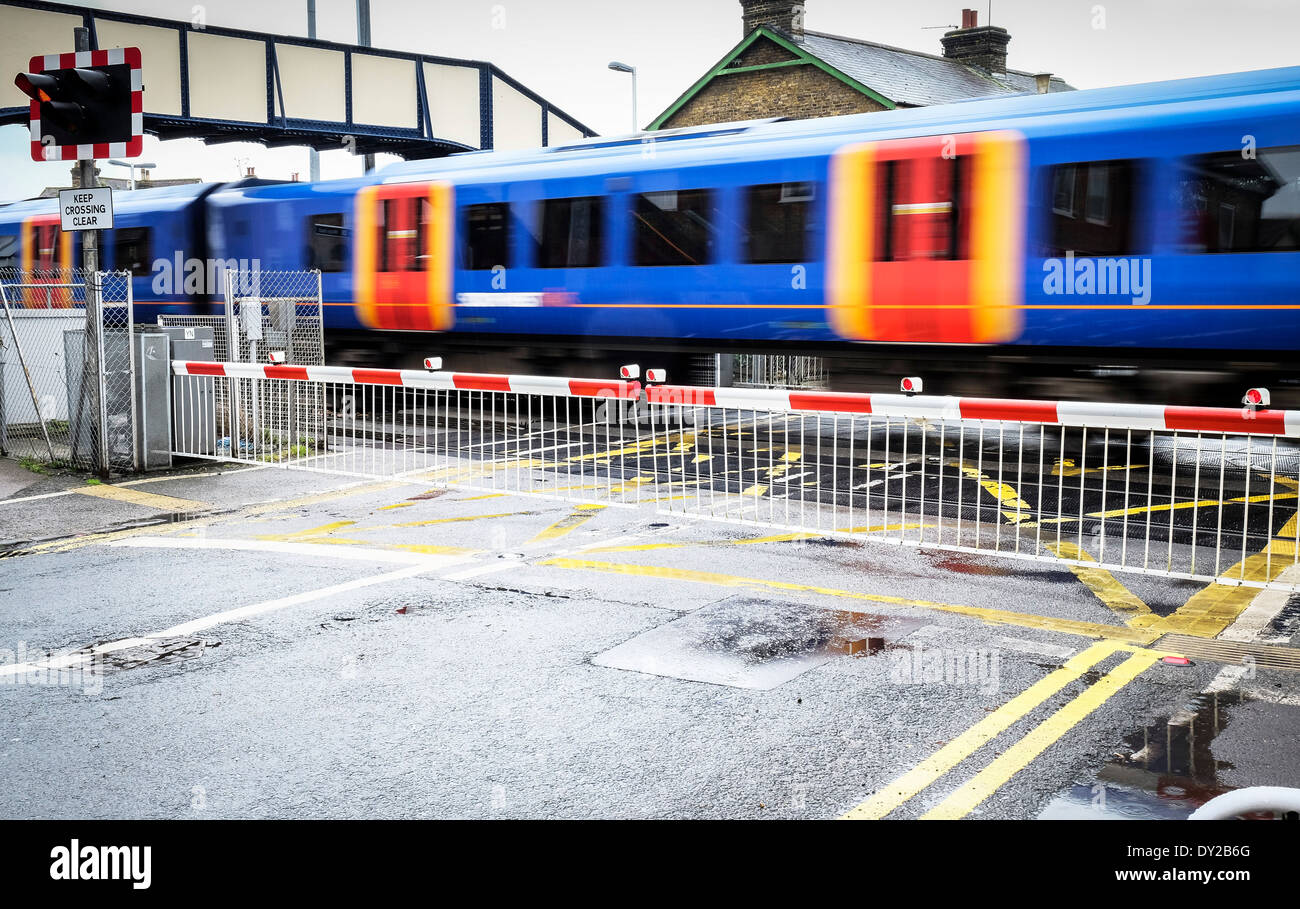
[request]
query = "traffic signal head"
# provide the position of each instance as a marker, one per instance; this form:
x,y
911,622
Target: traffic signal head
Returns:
x,y
84,105
37,86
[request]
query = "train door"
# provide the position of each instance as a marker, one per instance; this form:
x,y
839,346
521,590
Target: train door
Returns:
x,y
47,258
926,239
404,256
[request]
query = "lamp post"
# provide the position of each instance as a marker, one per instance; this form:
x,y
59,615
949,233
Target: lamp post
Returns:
x,y
624,68
143,165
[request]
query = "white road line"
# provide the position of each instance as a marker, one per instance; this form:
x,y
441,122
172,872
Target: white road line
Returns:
x,y
197,476
343,553
416,564
63,661
246,612
477,570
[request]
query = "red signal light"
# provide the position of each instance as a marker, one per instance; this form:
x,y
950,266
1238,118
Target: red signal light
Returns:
x,y
1256,397
35,86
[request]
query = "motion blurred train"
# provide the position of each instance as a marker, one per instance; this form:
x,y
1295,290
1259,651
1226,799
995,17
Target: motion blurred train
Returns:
x,y
1141,240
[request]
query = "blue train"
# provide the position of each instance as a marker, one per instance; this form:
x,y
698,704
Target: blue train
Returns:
x,y
1149,229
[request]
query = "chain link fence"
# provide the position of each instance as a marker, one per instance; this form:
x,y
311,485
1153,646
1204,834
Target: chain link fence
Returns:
x,y
269,317
67,368
267,313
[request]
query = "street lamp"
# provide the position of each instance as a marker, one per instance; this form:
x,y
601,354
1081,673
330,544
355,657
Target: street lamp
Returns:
x,y
624,68
133,165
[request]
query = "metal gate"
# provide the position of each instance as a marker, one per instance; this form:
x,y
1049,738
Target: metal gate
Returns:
x,y
67,368
1179,492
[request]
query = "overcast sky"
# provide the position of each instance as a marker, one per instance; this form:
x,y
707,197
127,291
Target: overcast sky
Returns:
x,y
560,48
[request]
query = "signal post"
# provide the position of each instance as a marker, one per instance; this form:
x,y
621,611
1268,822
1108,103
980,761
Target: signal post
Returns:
x,y
84,106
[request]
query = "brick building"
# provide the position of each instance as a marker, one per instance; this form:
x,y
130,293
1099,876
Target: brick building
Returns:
x,y
781,69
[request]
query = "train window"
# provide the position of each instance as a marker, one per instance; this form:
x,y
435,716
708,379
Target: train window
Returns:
x,y
131,251
777,225
327,242
423,219
487,236
572,233
400,224
1233,203
8,251
1092,209
677,227
1063,180
920,209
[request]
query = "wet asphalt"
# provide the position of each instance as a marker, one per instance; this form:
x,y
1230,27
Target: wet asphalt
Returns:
x,y
415,651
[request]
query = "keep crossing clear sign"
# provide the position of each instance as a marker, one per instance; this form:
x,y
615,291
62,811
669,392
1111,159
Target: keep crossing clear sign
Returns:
x,y
86,209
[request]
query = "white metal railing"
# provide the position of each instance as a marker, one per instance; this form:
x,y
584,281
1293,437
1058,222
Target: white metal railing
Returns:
x,y
1182,492
523,434
1185,492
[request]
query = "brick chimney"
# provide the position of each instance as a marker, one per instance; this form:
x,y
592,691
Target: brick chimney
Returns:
x,y
785,16
983,46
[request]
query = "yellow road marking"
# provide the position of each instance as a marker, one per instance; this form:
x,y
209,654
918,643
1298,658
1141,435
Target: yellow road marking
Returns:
x,y
490,495
136,497
993,616
880,527
1101,582
1017,757
1176,506
756,490
317,498
426,550
1017,511
403,547
1067,468
987,729
776,538
309,533
652,442
1288,530
398,505
568,523
458,520
1208,612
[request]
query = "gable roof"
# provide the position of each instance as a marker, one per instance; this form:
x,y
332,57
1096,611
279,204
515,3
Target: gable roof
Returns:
x,y
892,76
911,77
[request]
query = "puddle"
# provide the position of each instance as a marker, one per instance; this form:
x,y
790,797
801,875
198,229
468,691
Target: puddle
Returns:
x,y
960,565
745,642
1283,626
832,542
1164,771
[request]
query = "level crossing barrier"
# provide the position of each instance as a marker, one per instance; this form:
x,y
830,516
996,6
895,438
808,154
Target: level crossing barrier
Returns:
x,y
1196,493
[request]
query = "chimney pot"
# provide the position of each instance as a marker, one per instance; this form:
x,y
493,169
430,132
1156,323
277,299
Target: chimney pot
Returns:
x,y
250,173
969,18
984,46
